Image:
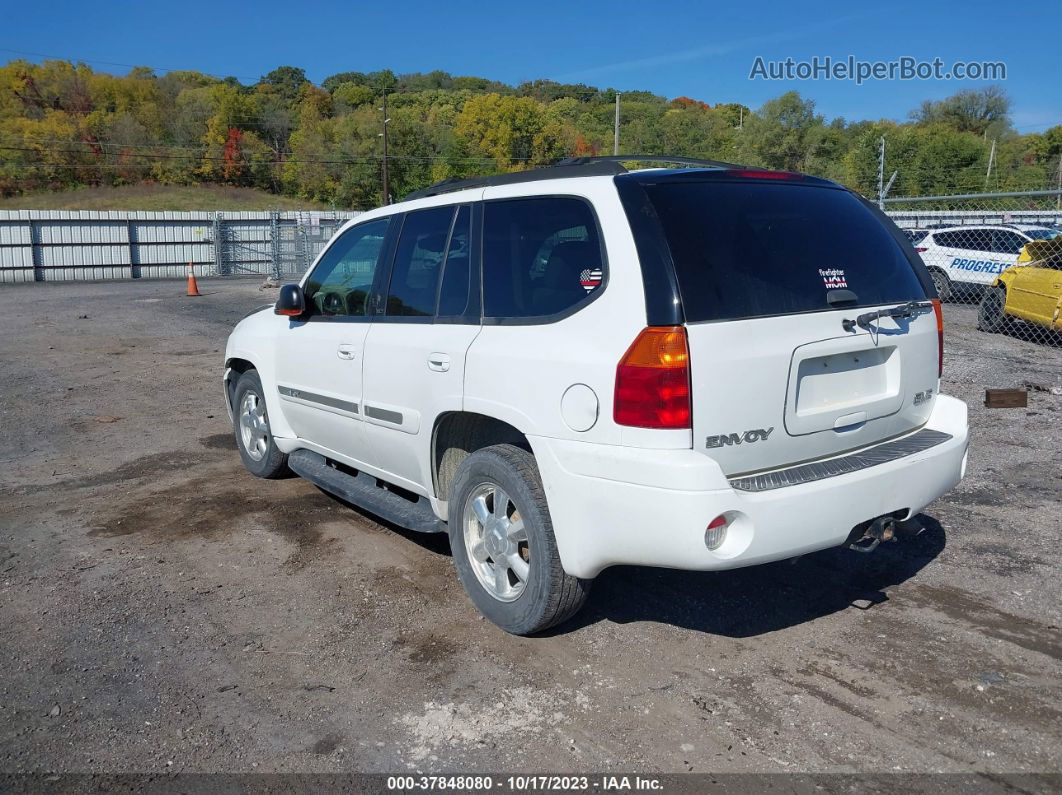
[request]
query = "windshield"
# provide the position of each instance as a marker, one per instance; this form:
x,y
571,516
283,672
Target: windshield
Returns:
x,y
754,249
1043,234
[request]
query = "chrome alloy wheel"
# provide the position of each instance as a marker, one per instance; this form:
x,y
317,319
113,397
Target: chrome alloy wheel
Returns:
x,y
496,542
254,426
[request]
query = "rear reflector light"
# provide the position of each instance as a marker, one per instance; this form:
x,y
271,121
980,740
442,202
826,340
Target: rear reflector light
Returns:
x,y
920,249
715,534
939,312
653,380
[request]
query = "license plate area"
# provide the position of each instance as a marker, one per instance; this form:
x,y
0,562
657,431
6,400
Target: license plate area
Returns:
x,y
839,384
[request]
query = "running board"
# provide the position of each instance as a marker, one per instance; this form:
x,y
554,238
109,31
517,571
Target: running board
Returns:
x,y
362,490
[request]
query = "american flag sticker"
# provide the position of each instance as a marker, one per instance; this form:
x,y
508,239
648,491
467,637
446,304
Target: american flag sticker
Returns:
x,y
590,279
833,278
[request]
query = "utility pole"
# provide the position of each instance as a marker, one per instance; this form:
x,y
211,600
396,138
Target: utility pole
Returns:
x,y
881,174
991,160
741,117
615,128
386,187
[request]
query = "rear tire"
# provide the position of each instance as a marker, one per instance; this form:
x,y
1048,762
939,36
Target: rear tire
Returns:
x,y
942,283
254,438
503,545
991,316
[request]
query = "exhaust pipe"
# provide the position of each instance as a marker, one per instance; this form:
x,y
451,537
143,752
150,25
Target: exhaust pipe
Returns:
x,y
881,529
909,528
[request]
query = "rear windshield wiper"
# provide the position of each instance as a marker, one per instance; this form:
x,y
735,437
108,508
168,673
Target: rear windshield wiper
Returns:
x,y
910,309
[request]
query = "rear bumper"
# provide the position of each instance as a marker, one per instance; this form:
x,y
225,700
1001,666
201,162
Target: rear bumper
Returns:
x,y
615,505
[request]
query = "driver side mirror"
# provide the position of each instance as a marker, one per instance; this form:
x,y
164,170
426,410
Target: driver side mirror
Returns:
x,y
291,301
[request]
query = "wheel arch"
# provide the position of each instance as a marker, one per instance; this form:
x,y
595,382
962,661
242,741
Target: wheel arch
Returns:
x,y
1004,279
235,366
240,361
458,434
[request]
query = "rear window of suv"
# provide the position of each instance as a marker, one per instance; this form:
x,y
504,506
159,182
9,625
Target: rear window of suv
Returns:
x,y
749,249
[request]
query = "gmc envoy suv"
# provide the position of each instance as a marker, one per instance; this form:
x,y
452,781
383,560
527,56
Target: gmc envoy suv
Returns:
x,y
581,366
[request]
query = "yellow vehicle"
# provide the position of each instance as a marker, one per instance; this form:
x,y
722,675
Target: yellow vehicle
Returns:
x,y
1031,290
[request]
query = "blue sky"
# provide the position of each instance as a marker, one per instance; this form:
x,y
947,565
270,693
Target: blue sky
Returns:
x,y
703,50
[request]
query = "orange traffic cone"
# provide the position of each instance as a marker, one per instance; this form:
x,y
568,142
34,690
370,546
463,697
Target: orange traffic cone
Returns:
x,y
193,288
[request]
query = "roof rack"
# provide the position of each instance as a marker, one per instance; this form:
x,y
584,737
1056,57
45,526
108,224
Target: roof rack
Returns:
x,y
603,166
684,161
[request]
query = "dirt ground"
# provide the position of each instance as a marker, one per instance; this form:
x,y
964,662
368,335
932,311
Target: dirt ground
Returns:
x,y
163,611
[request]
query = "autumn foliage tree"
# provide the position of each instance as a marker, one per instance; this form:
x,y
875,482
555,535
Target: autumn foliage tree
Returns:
x,y
63,124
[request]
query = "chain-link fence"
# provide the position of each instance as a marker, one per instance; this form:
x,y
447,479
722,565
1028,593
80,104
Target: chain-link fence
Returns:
x,y
998,252
42,245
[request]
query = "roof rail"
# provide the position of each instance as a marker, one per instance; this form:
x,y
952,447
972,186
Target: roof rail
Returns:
x,y
547,172
685,161
603,166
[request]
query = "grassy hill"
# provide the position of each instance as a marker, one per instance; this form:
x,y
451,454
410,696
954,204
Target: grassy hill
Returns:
x,y
158,197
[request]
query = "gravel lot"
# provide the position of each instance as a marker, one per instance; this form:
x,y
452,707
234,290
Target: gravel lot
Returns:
x,y
163,611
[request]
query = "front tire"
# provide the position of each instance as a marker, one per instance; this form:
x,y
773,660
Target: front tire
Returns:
x,y
254,439
503,545
990,314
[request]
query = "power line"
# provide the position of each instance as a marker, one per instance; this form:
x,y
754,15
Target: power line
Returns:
x,y
343,161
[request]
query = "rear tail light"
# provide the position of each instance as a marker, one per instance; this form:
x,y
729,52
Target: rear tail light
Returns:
x,y
939,312
920,249
715,534
653,380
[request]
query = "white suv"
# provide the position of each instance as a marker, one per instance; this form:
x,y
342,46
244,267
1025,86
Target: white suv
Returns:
x,y
964,260
580,366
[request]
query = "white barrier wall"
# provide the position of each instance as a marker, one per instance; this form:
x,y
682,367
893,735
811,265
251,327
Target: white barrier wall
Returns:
x,y
52,245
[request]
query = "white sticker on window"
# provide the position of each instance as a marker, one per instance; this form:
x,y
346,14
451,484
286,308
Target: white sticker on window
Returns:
x,y
833,278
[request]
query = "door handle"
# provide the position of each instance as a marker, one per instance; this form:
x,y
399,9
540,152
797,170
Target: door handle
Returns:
x,y
439,362
346,351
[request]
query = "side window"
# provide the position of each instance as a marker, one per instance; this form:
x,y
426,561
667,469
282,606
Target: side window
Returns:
x,y
979,239
418,262
540,256
341,283
1005,242
453,291
946,239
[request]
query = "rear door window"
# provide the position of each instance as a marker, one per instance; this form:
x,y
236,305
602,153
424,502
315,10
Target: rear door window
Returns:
x,y
418,262
748,249
975,239
950,240
457,268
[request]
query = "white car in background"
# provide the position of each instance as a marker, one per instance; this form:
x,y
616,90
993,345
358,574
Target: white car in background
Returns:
x,y
964,260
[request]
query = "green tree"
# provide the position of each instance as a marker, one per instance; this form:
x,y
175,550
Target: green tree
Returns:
x,y
514,131
780,134
973,110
